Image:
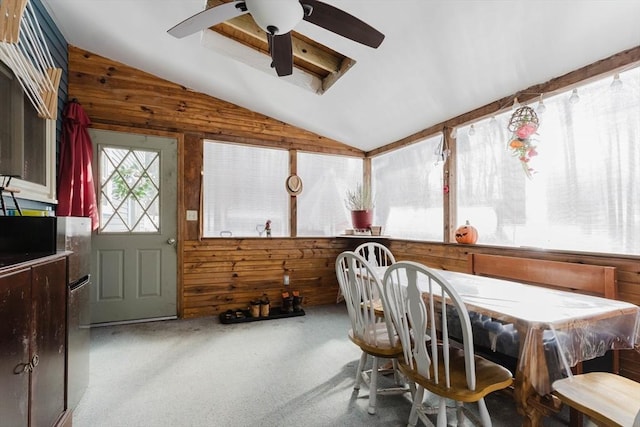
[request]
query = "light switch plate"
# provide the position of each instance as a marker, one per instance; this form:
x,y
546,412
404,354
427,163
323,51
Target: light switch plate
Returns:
x,y
192,215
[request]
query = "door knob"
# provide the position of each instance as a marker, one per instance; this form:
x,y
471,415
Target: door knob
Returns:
x,y
171,241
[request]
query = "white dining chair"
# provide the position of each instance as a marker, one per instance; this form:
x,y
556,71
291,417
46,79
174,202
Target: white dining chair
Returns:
x,y
376,254
418,301
377,339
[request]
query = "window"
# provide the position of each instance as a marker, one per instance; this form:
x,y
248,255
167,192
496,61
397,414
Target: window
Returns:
x,y
326,178
26,142
408,187
10,116
129,190
35,141
584,194
243,187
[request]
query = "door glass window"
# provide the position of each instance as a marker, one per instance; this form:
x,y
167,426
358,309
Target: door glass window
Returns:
x,y
129,190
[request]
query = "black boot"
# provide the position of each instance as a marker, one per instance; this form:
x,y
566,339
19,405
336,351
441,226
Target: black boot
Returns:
x,y
297,302
287,303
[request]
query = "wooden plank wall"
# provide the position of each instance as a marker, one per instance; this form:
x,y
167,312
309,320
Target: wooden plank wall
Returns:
x,y
114,93
214,274
228,273
454,257
217,274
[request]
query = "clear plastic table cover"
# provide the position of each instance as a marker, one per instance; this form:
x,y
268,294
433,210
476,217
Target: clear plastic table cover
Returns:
x,y
582,326
574,326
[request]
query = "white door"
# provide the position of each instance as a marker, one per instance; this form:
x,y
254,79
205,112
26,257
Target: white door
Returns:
x,y
133,259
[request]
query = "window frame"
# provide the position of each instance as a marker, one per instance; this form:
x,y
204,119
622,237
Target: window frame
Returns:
x,y
575,79
29,190
341,196
202,211
434,161
558,100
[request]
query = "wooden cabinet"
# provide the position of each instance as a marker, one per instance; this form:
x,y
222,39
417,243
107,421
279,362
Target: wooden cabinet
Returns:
x,y
32,338
15,337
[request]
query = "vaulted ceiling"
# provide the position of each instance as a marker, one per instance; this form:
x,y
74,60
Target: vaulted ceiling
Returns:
x,y
439,59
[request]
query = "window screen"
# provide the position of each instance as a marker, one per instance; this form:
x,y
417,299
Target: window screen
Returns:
x,y
408,188
321,206
583,194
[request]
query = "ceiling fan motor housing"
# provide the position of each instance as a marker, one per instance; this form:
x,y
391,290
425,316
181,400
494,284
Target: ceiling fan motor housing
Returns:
x,y
276,16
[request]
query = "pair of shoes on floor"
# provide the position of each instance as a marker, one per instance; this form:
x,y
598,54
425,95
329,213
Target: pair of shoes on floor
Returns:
x,y
261,307
233,314
291,303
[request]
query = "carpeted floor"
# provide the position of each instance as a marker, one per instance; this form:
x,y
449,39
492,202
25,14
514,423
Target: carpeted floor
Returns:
x,y
288,372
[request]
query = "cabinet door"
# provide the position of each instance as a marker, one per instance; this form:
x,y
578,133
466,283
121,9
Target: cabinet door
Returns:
x,y
15,334
49,290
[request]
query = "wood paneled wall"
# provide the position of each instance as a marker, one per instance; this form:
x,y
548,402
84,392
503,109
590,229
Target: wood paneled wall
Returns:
x,y
218,274
114,93
214,274
221,274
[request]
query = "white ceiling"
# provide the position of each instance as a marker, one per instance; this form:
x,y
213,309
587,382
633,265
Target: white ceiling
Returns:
x,y
440,58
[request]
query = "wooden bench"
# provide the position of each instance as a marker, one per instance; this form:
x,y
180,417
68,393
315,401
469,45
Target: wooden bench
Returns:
x,y
588,279
581,278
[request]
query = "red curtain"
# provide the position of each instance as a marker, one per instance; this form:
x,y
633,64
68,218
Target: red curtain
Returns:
x,y
76,192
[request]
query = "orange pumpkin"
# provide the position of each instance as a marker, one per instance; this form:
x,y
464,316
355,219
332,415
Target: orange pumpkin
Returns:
x,y
466,233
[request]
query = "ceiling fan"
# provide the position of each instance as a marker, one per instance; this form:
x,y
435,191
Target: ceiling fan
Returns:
x,y
277,18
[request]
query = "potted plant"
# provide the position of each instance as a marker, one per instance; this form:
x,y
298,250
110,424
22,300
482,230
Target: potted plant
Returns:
x,y
360,203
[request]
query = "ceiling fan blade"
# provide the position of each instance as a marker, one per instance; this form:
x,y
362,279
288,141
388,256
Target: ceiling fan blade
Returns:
x,y
340,22
281,53
208,18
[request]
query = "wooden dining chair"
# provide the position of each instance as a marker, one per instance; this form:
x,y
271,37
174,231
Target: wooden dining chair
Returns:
x,y
416,299
604,397
378,339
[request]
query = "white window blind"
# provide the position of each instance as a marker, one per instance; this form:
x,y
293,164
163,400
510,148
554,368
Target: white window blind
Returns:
x,y
243,187
408,189
585,192
321,206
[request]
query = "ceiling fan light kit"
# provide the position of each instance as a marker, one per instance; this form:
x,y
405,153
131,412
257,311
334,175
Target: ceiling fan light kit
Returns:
x,y
278,18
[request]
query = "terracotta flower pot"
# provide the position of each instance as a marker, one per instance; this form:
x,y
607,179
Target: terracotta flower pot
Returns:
x,y
362,220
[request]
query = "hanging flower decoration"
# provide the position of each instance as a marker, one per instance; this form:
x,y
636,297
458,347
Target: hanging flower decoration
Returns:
x,y
523,125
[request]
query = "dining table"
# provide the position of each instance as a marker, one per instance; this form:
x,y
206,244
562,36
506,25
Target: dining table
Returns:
x,y
579,327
